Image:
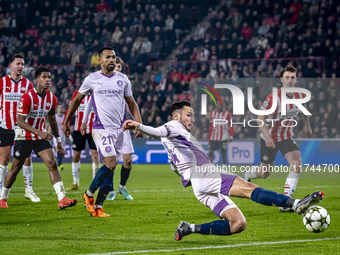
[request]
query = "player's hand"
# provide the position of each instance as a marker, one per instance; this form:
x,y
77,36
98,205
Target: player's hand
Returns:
x,y
230,140
130,125
60,150
66,129
45,135
138,134
82,128
309,132
270,143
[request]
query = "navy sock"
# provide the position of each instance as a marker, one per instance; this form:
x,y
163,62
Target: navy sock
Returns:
x,y
104,190
217,227
271,198
124,175
59,159
101,175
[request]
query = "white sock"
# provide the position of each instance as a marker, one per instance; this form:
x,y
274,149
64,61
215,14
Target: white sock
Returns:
x,y
89,193
3,172
75,172
95,168
251,174
5,193
192,226
97,207
121,187
59,190
27,172
291,183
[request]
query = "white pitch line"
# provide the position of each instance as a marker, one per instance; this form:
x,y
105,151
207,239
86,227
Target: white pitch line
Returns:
x,y
215,247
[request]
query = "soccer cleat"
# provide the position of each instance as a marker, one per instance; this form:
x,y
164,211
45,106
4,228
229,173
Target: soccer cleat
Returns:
x,y
31,195
125,193
89,203
111,195
100,213
182,230
65,202
3,203
73,187
286,209
308,201
61,168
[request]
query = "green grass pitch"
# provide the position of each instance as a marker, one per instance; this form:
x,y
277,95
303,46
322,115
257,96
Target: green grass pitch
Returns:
x,y
148,222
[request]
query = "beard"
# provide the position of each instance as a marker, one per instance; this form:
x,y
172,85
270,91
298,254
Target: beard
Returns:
x,y
109,68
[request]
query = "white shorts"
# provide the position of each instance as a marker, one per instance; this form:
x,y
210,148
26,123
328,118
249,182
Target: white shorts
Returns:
x,y
109,142
127,144
212,190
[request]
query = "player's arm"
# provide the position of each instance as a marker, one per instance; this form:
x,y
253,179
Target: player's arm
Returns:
x,y
70,111
305,119
86,114
55,131
162,131
24,125
134,110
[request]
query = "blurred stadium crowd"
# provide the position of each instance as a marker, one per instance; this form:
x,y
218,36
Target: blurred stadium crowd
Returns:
x,y
246,43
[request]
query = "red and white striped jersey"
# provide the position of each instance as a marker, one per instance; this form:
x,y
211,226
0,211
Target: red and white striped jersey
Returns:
x,y
277,131
36,109
10,95
220,132
80,113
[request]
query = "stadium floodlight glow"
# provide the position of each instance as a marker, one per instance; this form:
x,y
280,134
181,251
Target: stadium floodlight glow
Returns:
x,y
238,100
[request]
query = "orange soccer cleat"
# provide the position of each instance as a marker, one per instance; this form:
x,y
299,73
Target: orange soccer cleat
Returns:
x,y
89,203
65,202
3,203
100,213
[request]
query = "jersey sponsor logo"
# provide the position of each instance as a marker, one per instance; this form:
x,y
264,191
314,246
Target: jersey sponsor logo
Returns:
x,y
37,114
13,97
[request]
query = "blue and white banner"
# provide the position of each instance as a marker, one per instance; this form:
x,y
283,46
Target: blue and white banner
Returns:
x,y
245,152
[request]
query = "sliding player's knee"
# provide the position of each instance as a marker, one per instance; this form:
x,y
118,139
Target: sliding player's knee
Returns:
x,y
111,164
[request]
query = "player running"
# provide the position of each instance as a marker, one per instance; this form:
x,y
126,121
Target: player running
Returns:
x,y
275,137
12,87
220,135
79,138
31,134
189,160
127,149
109,92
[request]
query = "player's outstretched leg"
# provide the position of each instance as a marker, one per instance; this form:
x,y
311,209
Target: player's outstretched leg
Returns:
x,y
244,189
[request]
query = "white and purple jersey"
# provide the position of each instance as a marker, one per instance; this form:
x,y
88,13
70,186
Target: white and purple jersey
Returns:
x,y
108,98
184,151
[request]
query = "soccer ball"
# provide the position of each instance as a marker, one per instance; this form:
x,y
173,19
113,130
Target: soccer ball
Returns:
x,y
316,219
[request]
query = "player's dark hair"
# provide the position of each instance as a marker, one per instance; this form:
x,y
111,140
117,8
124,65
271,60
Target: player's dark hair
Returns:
x,y
105,48
179,105
119,60
16,56
41,70
289,68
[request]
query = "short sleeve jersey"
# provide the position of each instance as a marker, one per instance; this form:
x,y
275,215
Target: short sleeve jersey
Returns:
x,y
36,109
108,98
